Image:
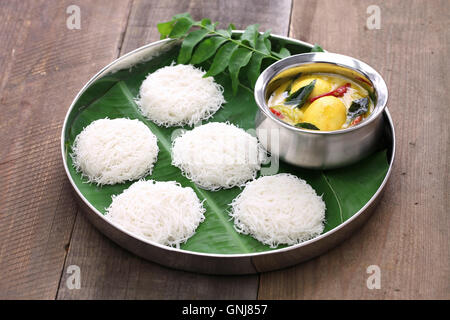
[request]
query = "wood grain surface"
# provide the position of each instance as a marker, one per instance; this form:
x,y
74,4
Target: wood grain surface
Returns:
x,y
43,64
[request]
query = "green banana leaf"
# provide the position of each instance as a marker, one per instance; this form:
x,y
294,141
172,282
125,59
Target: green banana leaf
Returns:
x,y
344,191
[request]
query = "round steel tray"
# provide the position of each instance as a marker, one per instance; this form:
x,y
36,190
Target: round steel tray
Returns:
x,y
217,263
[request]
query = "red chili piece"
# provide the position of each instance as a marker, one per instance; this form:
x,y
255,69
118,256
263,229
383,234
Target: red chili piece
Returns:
x,y
277,113
338,92
356,121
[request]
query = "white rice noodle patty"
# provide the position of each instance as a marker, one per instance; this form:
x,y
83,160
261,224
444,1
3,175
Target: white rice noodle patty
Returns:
x,y
163,212
279,209
218,155
179,95
110,151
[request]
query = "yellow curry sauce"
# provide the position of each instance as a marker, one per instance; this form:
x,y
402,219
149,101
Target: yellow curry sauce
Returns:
x,y
320,101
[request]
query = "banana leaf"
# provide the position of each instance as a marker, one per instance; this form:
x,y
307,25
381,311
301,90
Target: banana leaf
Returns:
x,y
344,191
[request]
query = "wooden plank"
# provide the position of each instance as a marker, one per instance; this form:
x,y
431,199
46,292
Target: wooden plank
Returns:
x,y
109,272
408,236
43,65
146,14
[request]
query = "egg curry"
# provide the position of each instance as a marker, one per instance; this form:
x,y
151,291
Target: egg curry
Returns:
x,y
320,101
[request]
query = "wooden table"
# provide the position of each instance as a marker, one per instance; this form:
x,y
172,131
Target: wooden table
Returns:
x,y
43,64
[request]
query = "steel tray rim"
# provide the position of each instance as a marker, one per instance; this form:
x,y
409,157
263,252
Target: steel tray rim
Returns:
x,y
137,239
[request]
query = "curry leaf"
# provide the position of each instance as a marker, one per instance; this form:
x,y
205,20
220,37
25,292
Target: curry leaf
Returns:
x,y
239,59
254,68
222,59
251,34
282,54
205,22
186,15
181,27
230,28
268,44
164,28
306,125
317,48
224,33
191,40
299,97
206,49
358,107
256,60
261,44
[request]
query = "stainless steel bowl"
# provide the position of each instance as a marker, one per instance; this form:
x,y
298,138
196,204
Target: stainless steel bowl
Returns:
x,y
320,149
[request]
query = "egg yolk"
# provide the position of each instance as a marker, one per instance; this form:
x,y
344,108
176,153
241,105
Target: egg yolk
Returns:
x,y
320,87
327,113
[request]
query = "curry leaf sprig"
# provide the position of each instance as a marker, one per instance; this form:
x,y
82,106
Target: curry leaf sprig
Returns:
x,y
202,40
